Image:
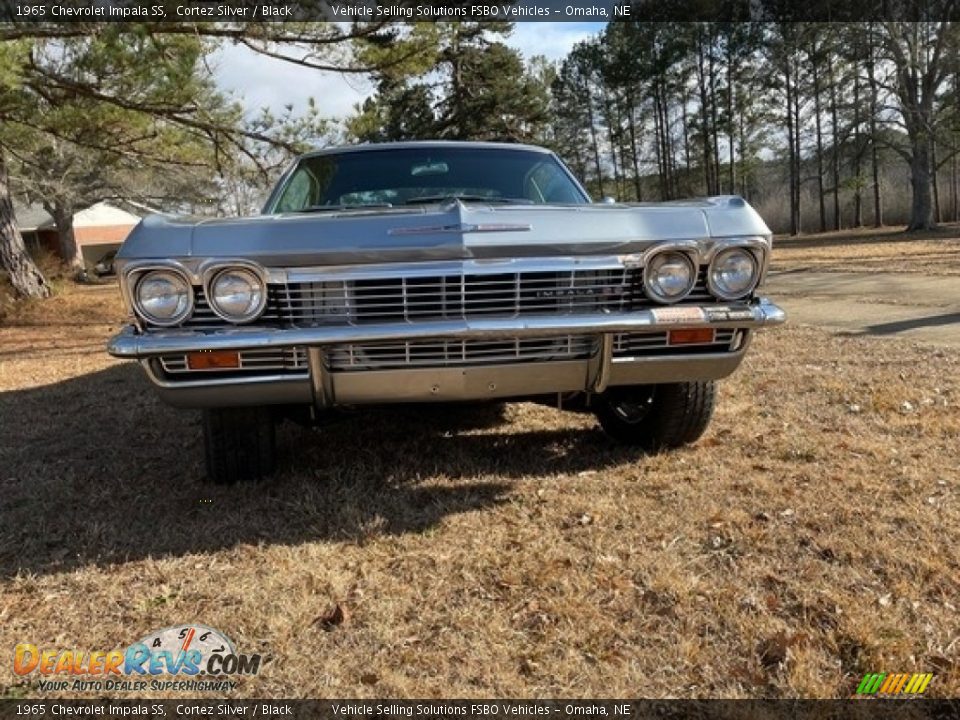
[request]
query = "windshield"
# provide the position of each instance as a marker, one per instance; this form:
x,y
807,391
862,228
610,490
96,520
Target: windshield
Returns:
x,y
394,177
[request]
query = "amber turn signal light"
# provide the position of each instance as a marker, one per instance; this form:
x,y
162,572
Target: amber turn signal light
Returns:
x,y
694,336
213,360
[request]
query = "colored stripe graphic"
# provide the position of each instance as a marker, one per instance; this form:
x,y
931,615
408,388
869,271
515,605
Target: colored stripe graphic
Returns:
x,y
894,683
923,684
870,683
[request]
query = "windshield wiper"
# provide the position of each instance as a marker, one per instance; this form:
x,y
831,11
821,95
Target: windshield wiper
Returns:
x,y
334,208
424,199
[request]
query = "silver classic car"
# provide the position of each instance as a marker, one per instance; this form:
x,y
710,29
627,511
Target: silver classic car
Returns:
x,y
442,272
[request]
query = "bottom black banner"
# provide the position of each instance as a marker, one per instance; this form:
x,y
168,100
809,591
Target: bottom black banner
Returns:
x,y
493,709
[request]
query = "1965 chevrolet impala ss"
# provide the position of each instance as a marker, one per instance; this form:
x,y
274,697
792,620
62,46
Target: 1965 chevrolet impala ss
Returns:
x,y
443,271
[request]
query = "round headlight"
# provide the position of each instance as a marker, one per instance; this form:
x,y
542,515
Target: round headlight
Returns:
x,y
237,295
163,297
669,277
734,273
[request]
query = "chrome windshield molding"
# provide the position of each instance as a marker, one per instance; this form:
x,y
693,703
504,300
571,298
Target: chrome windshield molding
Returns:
x,y
129,344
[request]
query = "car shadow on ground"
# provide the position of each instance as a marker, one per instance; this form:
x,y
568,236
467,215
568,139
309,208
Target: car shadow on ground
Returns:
x,y
95,470
898,326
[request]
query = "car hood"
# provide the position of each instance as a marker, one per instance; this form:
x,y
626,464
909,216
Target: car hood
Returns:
x,y
454,230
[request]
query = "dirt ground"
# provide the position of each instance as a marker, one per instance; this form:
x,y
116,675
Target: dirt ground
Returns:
x,y
812,536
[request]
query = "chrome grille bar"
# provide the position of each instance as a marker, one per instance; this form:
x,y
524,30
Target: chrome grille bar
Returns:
x,y
447,353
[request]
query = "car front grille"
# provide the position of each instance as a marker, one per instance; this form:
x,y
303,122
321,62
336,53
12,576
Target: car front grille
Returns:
x,y
445,297
454,353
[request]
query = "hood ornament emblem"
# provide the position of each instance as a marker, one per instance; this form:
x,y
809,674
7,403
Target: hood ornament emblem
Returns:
x,y
461,228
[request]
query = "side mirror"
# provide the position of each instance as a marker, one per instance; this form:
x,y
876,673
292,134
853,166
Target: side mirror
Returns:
x,y
607,200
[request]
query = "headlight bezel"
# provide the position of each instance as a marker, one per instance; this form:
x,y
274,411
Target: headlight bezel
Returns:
x,y
721,253
214,273
146,273
650,267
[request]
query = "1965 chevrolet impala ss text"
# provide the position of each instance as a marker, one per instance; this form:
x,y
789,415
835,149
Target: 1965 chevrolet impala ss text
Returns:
x,y
442,271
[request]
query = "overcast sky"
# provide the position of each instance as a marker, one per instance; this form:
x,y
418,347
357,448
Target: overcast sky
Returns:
x,y
263,82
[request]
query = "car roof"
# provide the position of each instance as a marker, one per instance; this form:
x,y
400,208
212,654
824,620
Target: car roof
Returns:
x,y
425,144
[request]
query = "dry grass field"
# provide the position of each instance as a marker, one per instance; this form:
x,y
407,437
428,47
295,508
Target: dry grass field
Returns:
x,y
812,535
872,250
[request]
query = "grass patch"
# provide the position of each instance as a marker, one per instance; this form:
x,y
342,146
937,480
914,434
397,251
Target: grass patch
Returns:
x,y
936,252
813,534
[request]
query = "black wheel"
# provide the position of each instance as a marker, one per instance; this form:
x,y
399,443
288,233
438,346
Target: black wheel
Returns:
x,y
240,444
656,417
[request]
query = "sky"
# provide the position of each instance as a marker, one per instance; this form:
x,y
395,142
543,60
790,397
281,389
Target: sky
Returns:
x,y
264,82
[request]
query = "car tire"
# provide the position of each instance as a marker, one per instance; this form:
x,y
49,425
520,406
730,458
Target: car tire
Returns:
x,y
657,417
240,444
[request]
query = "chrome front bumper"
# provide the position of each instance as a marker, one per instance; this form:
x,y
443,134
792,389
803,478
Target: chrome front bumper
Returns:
x,y
325,388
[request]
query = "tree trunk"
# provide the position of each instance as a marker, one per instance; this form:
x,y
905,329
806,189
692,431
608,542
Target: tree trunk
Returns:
x,y
671,153
69,250
634,152
658,145
858,152
954,187
821,193
794,226
731,127
874,153
921,208
835,122
935,172
706,150
595,143
714,128
25,276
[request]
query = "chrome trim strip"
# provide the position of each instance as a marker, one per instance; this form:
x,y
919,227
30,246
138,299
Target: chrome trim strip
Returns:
x,y
159,380
233,392
129,344
459,228
494,266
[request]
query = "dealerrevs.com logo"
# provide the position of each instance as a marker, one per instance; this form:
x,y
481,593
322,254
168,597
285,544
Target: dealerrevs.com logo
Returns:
x,y
184,657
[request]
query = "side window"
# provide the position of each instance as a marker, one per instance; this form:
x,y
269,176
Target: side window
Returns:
x,y
299,192
547,183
